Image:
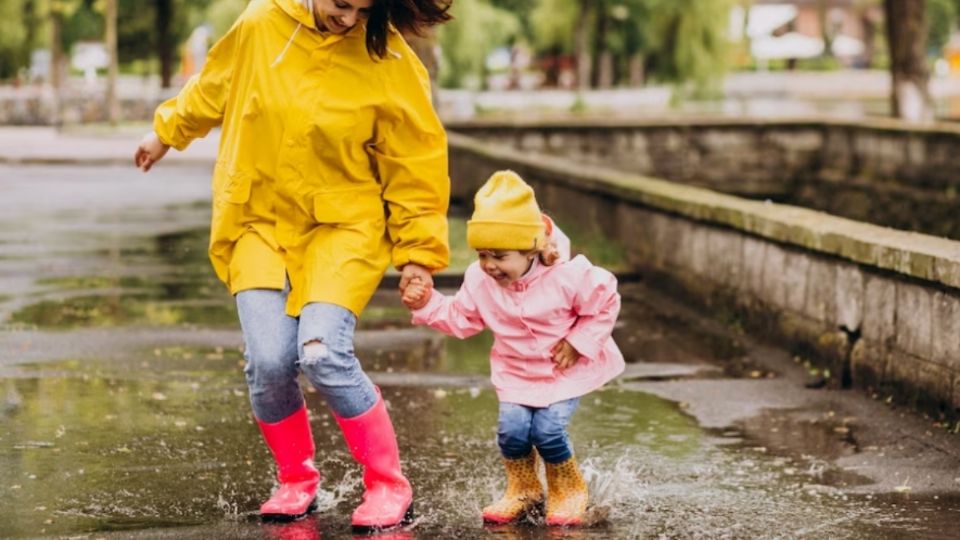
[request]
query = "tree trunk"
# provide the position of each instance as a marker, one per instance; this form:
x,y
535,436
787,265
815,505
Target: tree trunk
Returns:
x,y
32,22
869,37
56,48
56,63
110,39
825,30
600,24
605,71
907,38
165,41
582,45
637,75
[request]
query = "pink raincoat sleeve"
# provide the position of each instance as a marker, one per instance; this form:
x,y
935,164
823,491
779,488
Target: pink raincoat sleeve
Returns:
x,y
455,316
597,303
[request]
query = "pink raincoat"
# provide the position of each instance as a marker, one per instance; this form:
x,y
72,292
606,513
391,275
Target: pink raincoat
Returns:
x,y
572,300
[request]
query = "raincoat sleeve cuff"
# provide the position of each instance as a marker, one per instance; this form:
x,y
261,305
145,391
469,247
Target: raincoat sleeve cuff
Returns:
x,y
163,125
584,343
432,260
423,315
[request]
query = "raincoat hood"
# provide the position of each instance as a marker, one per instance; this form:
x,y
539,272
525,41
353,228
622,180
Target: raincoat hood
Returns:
x,y
299,10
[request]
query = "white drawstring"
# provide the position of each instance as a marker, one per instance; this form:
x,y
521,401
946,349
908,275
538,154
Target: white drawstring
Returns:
x,y
307,4
287,46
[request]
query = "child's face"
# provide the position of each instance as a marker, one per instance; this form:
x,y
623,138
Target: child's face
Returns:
x,y
505,266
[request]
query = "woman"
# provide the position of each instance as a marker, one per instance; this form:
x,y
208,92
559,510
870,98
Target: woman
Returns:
x,y
332,165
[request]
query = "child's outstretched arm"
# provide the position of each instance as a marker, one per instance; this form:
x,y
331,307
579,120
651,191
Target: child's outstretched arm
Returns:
x,y
455,316
597,303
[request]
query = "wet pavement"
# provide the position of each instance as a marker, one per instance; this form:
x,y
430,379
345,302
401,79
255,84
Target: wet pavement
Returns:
x,y
123,409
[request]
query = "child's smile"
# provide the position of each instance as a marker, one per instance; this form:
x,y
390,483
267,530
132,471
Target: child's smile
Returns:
x,y
504,266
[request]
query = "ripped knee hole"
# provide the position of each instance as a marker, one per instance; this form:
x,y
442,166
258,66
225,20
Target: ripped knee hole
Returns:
x,y
314,351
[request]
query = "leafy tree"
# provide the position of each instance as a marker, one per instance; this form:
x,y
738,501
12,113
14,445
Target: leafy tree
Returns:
x,y
84,22
522,10
14,48
673,40
941,22
154,30
690,42
477,29
553,23
625,43
221,14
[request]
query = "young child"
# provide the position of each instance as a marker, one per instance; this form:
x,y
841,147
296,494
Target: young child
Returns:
x,y
552,326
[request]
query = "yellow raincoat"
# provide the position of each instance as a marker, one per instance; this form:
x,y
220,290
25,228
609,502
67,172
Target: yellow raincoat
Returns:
x,y
331,164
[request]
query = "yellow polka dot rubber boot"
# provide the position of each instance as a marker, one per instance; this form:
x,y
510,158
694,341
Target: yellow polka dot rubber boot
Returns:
x,y
566,493
524,491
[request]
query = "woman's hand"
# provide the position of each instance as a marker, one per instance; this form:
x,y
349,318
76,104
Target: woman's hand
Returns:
x,y
413,271
416,295
150,151
564,355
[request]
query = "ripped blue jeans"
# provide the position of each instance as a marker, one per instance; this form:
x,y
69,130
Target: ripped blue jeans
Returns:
x,y
319,343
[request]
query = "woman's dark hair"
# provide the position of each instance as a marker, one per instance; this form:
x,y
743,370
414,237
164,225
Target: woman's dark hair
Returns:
x,y
408,16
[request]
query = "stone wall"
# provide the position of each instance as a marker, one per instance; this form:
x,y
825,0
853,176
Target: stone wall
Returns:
x,y
37,107
879,308
879,171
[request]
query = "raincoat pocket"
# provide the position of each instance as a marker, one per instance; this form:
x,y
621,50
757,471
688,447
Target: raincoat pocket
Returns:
x,y
231,187
348,206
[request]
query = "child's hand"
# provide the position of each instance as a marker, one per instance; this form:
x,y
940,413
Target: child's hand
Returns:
x,y
416,294
564,355
550,254
150,151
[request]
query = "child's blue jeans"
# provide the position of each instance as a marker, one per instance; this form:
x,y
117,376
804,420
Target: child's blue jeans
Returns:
x,y
521,428
278,347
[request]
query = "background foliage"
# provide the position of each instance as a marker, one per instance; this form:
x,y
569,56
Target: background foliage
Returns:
x,y
622,42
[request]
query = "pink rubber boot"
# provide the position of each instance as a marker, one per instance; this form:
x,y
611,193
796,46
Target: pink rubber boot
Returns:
x,y
291,443
388,499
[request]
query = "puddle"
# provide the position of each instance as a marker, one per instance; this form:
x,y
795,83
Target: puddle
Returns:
x,y
166,280
818,440
166,440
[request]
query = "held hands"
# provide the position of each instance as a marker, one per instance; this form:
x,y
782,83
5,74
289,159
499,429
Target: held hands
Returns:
x,y
416,295
416,284
564,355
150,151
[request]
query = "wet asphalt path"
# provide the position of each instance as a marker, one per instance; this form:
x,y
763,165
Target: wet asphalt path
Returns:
x,y
123,411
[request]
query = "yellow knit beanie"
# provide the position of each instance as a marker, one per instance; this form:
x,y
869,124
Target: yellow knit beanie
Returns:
x,y
505,215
